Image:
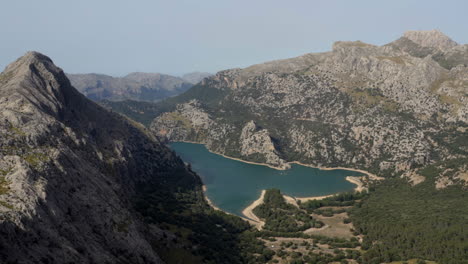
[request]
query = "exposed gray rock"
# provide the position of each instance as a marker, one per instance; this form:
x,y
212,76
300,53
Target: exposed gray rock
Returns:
x,y
68,172
386,109
431,38
255,141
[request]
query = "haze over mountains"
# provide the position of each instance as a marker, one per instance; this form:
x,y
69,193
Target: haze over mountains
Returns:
x,y
134,86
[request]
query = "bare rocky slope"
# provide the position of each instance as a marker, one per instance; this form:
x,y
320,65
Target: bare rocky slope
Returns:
x,y
69,172
388,109
135,86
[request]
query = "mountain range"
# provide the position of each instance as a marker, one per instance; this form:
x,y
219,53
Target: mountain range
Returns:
x,y
81,183
134,86
388,109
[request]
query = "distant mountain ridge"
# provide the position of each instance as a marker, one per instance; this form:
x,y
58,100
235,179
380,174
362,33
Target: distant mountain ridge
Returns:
x,y
431,38
138,86
195,77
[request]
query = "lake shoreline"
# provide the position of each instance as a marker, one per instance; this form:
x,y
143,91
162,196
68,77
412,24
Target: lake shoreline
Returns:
x,y
232,158
212,205
370,175
247,213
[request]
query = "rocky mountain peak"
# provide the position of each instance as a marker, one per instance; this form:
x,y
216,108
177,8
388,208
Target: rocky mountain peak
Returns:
x,y
65,159
34,80
33,56
431,38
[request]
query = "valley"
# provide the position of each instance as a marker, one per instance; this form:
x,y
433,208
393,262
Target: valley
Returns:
x,y
138,86
233,185
397,111
263,179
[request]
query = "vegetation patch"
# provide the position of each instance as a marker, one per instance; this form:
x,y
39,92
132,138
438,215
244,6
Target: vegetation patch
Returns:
x,y
7,205
401,222
342,199
16,131
414,261
397,60
280,216
179,118
34,159
209,236
5,77
435,86
4,183
371,97
4,188
123,226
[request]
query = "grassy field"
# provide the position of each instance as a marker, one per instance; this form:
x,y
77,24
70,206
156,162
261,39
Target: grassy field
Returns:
x,y
334,226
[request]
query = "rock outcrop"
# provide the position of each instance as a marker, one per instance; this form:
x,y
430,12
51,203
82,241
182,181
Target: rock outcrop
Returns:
x,y
69,170
257,142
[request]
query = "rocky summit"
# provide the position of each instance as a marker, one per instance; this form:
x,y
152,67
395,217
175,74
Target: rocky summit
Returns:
x,y
431,38
387,109
69,172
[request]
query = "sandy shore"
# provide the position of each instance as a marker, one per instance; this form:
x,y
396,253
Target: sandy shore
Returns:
x,y
248,212
250,162
258,224
305,199
358,181
209,201
371,176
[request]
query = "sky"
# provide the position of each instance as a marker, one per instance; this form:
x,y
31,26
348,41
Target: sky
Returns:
x,y
116,37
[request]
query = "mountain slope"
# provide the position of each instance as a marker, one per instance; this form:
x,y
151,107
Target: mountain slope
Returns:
x,y
388,109
79,184
398,110
135,86
69,169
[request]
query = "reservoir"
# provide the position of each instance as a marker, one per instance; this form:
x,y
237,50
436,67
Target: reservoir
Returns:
x,y
232,185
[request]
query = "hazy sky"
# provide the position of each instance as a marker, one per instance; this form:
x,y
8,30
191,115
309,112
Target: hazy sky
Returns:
x,y
177,36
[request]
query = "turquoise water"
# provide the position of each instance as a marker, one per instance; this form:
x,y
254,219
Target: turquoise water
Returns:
x,y
232,185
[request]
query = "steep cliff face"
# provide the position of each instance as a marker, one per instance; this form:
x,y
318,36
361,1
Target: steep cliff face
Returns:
x,y
69,170
387,108
256,141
